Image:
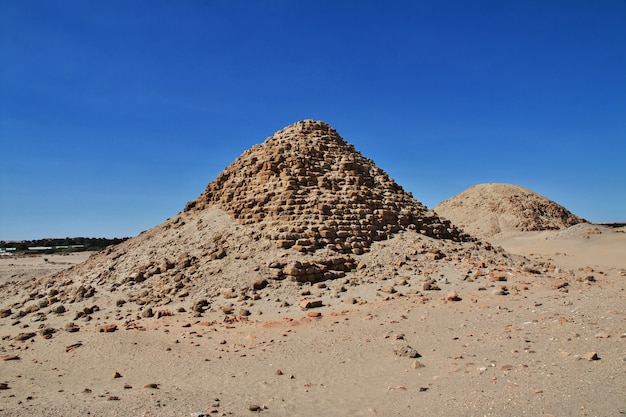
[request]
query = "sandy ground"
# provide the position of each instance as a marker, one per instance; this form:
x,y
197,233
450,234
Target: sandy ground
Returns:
x,y
547,348
25,267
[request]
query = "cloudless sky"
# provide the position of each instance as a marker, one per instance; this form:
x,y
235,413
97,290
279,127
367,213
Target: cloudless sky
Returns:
x,y
114,114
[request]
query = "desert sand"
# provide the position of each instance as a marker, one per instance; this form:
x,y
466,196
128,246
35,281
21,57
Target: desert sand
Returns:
x,y
516,354
271,295
26,267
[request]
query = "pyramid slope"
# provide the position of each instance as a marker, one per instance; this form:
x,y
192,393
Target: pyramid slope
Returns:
x,y
485,210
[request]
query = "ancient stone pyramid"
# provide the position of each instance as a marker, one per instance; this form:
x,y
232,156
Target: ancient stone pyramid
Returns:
x,y
302,207
306,189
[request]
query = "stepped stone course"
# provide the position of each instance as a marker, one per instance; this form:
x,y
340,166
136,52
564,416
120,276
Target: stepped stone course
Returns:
x,y
307,189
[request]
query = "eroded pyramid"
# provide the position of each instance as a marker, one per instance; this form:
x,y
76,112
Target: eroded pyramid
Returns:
x,y
307,189
485,210
302,207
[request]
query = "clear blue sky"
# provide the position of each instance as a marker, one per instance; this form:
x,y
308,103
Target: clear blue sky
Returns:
x,y
114,114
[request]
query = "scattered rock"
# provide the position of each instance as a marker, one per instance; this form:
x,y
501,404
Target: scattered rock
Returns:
x,y
429,285
497,276
71,327
453,296
72,347
10,358
108,328
591,356
417,364
388,289
200,305
24,336
228,293
152,385
311,304
407,351
47,332
259,284
163,313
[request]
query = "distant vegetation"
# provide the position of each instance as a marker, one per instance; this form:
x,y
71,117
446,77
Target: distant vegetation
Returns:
x,y
68,244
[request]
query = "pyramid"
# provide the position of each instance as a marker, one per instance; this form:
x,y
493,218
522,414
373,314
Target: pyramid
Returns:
x,y
303,207
485,210
308,189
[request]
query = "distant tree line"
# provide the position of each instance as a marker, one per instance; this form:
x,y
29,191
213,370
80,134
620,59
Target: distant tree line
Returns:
x,y
613,225
68,244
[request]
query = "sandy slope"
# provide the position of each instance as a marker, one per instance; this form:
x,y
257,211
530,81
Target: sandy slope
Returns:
x,y
485,355
579,246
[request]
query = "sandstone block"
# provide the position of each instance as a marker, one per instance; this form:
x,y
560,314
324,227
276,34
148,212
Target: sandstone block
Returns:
x,y
108,328
305,304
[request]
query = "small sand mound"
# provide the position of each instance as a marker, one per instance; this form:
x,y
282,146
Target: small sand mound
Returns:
x,y
485,210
